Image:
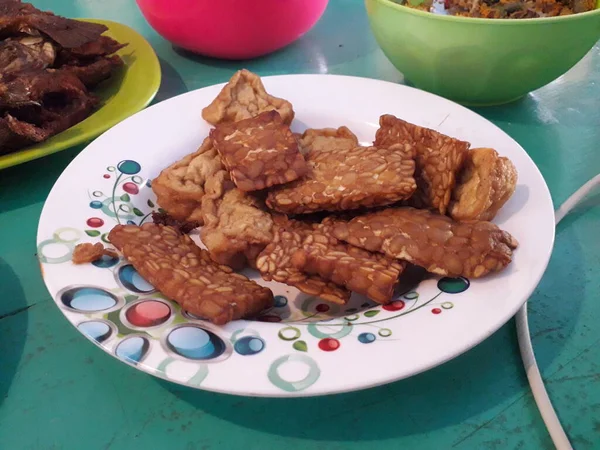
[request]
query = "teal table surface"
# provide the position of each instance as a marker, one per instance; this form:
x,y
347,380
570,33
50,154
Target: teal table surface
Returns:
x,y
58,391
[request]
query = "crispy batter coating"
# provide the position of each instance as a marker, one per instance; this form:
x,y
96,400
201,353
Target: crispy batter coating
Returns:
x,y
87,252
243,97
328,139
180,187
370,274
349,179
434,242
236,226
484,185
259,152
439,159
276,262
163,218
184,272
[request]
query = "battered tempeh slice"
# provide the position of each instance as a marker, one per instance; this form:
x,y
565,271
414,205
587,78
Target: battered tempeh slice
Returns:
x,y
349,179
439,159
370,274
259,152
327,139
243,97
236,226
275,262
434,242
484,185
180,187
184,272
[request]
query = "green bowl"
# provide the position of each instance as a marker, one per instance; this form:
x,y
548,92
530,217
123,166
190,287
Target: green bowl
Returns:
x,y
480,62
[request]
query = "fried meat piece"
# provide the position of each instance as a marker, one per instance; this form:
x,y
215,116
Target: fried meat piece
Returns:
x,y
370,274
349,179
277,262
259,152
26,54
432,241
484,185
87,253
95,72
327,139
236,226
184,272
244,97
180,187
439,159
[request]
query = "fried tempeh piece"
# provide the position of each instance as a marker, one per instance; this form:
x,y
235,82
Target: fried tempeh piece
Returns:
x,y
184,272
243,97
275,262
485,184
439,159
349,179
327,139
370,274
236,226
259,152
88,252
180,187
434,242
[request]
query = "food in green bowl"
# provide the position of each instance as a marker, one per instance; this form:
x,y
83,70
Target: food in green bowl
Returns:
x,y
480,61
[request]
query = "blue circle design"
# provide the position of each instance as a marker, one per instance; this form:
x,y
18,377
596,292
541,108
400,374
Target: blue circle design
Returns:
x,y
249,345
133,281
197,343
453,285
280,301
88,299
149,183
366,338
95,204
96,330
133,349
105,262
129,167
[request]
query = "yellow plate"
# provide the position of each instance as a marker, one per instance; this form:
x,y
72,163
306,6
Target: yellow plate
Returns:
x,y
127,92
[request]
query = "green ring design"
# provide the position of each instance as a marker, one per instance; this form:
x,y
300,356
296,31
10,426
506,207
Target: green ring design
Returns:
x,y
352,318
447,305
66,257
57,233
385,332
345,331
294,386
296,331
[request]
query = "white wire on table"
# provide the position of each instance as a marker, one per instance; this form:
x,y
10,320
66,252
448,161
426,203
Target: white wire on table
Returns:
x,y
555,429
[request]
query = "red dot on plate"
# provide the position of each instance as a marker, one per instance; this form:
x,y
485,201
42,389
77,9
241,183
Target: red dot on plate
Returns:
x,y
394,306
95,222
329,344
269,319
322,308
106,176
436,310
131,188
148,314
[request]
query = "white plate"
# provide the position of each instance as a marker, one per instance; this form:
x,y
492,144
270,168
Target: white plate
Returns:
x,y
305,347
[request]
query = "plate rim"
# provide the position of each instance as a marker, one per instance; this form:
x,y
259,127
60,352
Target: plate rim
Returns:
x,y
154,81
545,258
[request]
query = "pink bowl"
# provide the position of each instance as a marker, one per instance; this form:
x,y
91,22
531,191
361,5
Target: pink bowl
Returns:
x,y
232,29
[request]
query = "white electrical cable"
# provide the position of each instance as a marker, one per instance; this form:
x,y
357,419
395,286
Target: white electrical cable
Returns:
x,y
555,429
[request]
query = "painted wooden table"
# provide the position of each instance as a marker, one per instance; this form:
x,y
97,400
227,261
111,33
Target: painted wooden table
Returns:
x,y
58,391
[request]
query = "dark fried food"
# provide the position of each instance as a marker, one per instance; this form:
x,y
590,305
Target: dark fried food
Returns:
x,y
349,179
370,274
434,242
279,259
439,159
327,139
95,72
184,227
259,152
179,188
236,226
27,54
87,253
184,272
485,184
244,97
